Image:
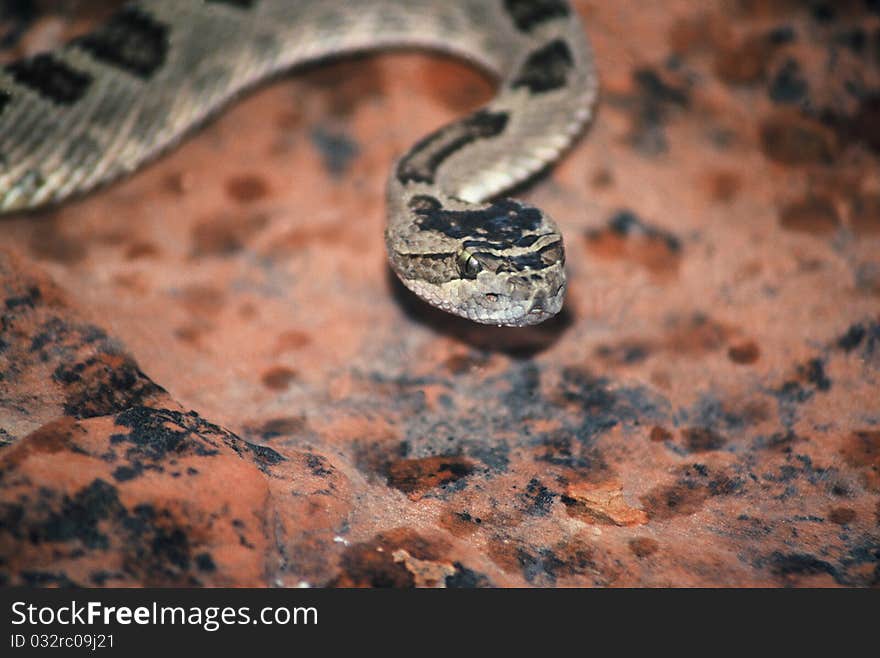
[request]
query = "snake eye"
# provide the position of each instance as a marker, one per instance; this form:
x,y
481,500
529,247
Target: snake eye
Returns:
x,y
468,265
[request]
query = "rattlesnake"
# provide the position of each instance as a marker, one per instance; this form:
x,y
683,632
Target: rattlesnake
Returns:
x,y
108,101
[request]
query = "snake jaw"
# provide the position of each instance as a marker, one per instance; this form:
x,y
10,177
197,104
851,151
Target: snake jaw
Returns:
x,y
537,308
524,288
536,311
503,299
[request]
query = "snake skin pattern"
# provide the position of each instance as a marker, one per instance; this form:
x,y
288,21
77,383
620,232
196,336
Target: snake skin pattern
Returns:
x,y
108,101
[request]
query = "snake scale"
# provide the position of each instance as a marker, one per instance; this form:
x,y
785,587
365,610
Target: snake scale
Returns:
x,y
108,101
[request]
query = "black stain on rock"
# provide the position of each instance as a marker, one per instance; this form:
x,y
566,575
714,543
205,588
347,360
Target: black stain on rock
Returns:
x,y
604,406
781,35
337,150
862,338
29,300
157,435
99,578
624,353
284,426
852,338
855,39
544,566
204,562
814,372
46,579
811,378
495,455
652,107
465,578
537,498
564,449
687,495
788,565
79,516
318,465
102,385
627,224
126,473
655,88
703,439
822,12
525,388
788,86
264,455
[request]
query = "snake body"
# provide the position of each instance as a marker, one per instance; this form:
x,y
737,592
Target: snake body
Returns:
x,y
105,103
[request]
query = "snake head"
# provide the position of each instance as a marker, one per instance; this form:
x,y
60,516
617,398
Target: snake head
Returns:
x,y
501,264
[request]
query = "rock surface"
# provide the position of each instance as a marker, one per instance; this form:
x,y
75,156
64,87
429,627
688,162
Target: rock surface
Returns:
x,y
208,376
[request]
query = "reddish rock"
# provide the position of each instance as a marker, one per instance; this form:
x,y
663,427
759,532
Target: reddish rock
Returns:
x,y
744,353
602,504
792,139
811,215
643,547
744,63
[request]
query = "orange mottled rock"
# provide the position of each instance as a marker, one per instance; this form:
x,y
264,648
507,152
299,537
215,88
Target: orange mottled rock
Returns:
x,y
157,497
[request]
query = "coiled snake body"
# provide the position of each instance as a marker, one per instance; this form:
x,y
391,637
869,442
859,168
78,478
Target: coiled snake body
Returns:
x,y
108,101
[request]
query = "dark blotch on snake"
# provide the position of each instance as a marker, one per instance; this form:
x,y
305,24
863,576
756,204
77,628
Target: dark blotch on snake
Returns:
x,y
527,14
423,160
51,78
525,241
4,100
130,40
538,260
545,69
504,221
